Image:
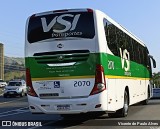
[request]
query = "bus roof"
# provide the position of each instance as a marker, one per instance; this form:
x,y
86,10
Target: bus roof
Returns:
x,y
121,27
63,11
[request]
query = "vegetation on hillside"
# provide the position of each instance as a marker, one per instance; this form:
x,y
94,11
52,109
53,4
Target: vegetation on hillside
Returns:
x,y
156,79
13,68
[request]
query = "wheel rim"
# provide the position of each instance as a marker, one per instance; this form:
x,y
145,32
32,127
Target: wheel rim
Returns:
x,y
126,104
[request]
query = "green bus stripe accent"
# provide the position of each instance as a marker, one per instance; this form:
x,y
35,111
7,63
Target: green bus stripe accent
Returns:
x,y
86,68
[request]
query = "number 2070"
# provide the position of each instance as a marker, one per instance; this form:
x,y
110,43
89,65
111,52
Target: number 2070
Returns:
x,y
81,83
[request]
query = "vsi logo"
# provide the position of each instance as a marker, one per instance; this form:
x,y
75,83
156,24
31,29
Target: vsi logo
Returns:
x,y
125,59
60,19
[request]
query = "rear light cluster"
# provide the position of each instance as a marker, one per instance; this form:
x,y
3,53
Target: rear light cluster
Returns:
x,y
30,90
100,83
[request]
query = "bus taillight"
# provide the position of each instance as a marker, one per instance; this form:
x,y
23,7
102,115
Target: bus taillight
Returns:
x,y
100,83
30,90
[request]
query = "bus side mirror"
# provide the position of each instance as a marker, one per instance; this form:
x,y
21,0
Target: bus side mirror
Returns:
x,y
153,60
154,63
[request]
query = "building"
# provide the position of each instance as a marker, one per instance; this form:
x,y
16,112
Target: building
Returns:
x,y
1,61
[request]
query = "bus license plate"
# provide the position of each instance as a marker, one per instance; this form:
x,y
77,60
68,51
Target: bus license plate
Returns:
x,y
63,107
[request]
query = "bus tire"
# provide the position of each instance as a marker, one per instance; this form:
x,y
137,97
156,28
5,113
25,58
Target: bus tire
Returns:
x,y
123,112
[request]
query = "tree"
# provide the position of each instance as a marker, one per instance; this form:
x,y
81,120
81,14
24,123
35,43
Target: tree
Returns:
x,y
156,79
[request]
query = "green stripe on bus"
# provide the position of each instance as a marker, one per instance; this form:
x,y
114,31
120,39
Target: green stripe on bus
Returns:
x,y
112,67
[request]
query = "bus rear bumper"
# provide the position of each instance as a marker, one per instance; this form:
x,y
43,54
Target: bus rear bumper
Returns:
x,y
92,103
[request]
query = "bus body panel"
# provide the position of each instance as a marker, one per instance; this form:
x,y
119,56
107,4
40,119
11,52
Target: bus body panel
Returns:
x,y
117,78
66,82
64,89
74,106
70,71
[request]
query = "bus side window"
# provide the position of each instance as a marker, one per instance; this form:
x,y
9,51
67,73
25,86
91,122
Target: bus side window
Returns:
x,y
120,44
131,50
111,38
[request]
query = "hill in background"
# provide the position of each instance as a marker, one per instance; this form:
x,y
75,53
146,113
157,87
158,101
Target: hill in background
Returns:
x,y
13,68
14,60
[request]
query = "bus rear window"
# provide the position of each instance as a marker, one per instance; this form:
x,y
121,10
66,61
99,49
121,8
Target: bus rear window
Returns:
x,y
61,25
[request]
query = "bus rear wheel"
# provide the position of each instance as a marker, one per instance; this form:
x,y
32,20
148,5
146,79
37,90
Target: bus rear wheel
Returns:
x,y
123,112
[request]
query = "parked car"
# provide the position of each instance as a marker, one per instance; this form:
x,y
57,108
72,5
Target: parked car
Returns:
x,y
2,83
156,93
15,87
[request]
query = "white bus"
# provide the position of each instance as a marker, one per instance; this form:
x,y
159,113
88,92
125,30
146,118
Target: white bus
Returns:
x,y
80,60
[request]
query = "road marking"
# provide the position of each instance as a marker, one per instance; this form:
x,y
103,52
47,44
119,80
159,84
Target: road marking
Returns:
x,y
19,109
14,112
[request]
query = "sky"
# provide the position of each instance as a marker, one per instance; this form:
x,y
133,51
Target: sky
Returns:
x,y
141,17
